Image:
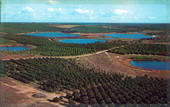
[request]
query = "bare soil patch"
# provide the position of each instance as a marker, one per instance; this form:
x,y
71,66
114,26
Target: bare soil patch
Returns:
x,y
92,36
3,33
121,64
65,26
151,31
82,36
17,94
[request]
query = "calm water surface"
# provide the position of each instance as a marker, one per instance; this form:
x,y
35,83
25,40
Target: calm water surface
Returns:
x,y
13,48
129,36
52,34
107,38
157,65
81,41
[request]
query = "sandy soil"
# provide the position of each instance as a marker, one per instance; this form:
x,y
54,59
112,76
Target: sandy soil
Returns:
x,y
121,64
93,36
65,26
3,33
151,31
50,39
85,36
17,94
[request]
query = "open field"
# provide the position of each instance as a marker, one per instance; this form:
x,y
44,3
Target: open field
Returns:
x,y
65,26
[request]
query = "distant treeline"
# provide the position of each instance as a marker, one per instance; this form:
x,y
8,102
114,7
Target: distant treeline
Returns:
x,y
88,85
145,58
158,39
14,28
145,49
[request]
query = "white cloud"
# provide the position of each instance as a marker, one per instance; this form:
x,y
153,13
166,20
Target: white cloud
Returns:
x,y
152,17
102,13
28,9
84,11
56,10
53,2
136,18
51,9
60,9
119,11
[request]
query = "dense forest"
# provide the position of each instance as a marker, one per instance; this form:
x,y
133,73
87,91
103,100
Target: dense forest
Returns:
x,y
52,48
88,85
145,49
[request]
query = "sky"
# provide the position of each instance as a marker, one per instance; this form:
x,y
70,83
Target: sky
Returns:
x,y
93,11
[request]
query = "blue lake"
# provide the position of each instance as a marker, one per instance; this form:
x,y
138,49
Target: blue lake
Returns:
x,y
157,65
52,34
14,48
107,38
129,36
81,41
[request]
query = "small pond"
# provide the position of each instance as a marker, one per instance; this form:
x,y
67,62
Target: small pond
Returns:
x,y
157,65
14,48
128,36
52,34
81,41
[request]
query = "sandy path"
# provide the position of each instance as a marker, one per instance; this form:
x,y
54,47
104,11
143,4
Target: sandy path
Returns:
x,y
49,39
28,91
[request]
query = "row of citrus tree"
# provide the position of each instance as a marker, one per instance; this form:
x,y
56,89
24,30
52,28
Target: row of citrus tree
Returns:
x,y
88,85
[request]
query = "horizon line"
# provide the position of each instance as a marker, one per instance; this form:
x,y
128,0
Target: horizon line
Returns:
x,y
94,22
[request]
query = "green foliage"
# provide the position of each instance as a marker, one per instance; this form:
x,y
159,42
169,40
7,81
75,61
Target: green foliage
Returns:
x,y
145,49
144,58
4,41
53,74
90,29
48,48
164,38
68,96
56,99
71,101
13,28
